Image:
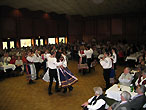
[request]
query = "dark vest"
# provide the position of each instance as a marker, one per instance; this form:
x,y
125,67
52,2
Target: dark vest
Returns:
x,y
95,99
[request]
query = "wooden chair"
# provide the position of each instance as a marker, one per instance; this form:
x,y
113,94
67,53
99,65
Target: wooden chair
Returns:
x,y
81,67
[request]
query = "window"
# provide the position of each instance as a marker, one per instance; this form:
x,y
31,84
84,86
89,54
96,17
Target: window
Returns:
x,y
61,39
12,44
51,40
41,42
36,42
25,42
5,45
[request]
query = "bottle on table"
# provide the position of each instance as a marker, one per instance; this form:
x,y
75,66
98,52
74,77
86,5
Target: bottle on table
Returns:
x,y
131,88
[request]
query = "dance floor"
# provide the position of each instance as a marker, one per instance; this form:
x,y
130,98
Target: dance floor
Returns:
x,y
16,94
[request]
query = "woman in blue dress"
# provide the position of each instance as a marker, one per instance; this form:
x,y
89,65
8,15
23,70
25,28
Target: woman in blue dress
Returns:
x,y
66,77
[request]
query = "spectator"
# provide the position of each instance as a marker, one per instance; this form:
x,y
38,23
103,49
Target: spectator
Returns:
x,y
123,104
142,79
19,64
126,78
96,102
139,100
12,61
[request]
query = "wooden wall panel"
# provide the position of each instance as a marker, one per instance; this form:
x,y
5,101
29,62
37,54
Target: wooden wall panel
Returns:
x,y
103,29
62,27
142,36
90,27
39,27
131,26
116,24
25,23
8,26
75,28
25,27
52,28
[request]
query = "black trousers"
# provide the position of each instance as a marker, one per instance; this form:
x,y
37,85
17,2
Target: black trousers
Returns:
x,y
89,63
37,66
106,74
53,74
115,66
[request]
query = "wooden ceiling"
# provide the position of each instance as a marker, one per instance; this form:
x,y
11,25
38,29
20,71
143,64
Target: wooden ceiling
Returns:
x,y
80,7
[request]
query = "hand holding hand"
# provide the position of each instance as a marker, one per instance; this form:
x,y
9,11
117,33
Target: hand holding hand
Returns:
x,y
84,104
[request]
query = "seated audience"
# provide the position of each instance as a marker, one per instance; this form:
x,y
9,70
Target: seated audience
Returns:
x,y
96,102
125,78
141,65
136,74
142,79
140,59
139,100
12,61
6,59
19,64
124,104
121,56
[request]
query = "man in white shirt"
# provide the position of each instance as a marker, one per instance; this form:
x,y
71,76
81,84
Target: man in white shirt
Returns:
x,y
96,102
126,78
106,63
88,54
52,65
37,62
30,64
46,55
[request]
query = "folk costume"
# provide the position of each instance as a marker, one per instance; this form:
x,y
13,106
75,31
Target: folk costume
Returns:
x,y
88,54
106,63
66,77
82,63
30,68
52,69
37,62
141,81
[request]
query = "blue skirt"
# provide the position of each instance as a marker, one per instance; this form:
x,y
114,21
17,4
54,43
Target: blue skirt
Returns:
x,y
66,77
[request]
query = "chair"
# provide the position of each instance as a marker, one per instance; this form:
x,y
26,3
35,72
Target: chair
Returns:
x,y
83,66
93,64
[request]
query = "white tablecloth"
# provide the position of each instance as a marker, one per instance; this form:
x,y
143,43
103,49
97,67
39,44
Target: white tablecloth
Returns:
x,y
114,92
9,66
133,56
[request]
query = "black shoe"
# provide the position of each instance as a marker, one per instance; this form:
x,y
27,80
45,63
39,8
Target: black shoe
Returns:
x,y
65,90
31,82
37,78
58,90
70,88
50,93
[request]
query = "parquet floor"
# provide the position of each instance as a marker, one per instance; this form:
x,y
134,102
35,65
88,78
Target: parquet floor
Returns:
x,y
16,94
